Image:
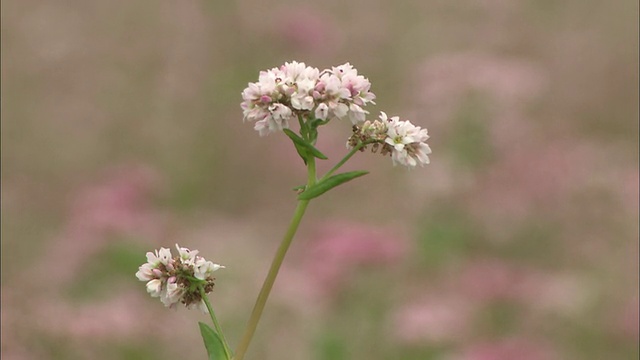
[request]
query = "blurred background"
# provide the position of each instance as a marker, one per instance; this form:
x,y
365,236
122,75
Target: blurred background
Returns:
x,y
122,133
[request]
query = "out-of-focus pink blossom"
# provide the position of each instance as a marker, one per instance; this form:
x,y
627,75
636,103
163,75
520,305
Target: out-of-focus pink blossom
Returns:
x,y
306,29
532,176
628,323
509,349
445,80
120,203
488,280
339,248
439,319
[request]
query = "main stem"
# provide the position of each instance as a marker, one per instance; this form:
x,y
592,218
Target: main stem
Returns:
x,y
275,267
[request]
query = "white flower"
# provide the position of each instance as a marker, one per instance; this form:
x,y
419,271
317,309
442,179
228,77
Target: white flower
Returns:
x,y
295,89
154,287
160,257
405,142
322,111
172,294
186,255
408,142
203,269
200,305
180,279
356,113
145,272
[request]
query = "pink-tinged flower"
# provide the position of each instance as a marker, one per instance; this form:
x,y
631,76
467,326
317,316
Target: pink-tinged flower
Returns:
x,y
154,287
408,141
294,89
357,85
404,141
145,272
340,248
509,349
203,269
178,279
186,255
440,319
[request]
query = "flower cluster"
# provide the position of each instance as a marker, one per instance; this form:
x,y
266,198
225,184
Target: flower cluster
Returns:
x,y
294,89
404,141
178,279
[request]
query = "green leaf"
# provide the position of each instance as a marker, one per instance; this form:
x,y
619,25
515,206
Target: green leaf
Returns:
x,y
212,342
329,183
300,142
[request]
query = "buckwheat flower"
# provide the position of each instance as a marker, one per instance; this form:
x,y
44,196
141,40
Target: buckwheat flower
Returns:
x,y
405,142
276,119
187,256
203,269
145,272
330,92
154,287
322,111
178,279
163,256
408,142
357,85
172,294
200,305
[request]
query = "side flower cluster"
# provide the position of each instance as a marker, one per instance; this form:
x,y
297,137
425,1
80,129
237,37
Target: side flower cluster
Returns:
x,y
405,142
178,279
294,89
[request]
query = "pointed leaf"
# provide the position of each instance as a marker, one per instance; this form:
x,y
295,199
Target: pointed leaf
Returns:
x,y
298,141
329,183
212,342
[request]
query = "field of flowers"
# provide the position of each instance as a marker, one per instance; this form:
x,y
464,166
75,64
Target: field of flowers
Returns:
x,y
122,132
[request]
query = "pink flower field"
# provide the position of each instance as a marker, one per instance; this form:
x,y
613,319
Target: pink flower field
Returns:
x,y
123,132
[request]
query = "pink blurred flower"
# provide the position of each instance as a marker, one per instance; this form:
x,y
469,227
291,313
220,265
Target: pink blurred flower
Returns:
x,y
627,320
118,204
509,349
340,247
445,80
438,319
535,175
488,280
306,29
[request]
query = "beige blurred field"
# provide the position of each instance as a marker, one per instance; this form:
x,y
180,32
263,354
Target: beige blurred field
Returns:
x,y
122,132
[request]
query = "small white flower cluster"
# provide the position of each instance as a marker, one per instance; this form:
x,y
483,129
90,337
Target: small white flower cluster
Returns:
x,y
178,279
404,141
281,94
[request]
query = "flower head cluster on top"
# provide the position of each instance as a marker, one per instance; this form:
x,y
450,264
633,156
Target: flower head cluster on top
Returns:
x,y
294,89
178,279
405,142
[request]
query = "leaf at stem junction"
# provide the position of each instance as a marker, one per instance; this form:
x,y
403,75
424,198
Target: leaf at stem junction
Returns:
x,y
212,343
329,183
300,142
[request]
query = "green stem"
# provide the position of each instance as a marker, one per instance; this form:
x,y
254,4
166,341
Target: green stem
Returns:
x,y
270,279
344,160
275,267
227,351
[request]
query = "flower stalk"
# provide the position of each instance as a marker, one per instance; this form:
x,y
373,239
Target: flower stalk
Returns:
x,y
216,324
281,96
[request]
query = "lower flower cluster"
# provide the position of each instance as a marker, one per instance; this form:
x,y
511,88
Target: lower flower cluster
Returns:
x,y
405,142
178,279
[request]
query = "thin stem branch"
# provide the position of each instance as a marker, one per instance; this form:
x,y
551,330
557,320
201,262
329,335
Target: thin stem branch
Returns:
x,y
344,160
227,351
